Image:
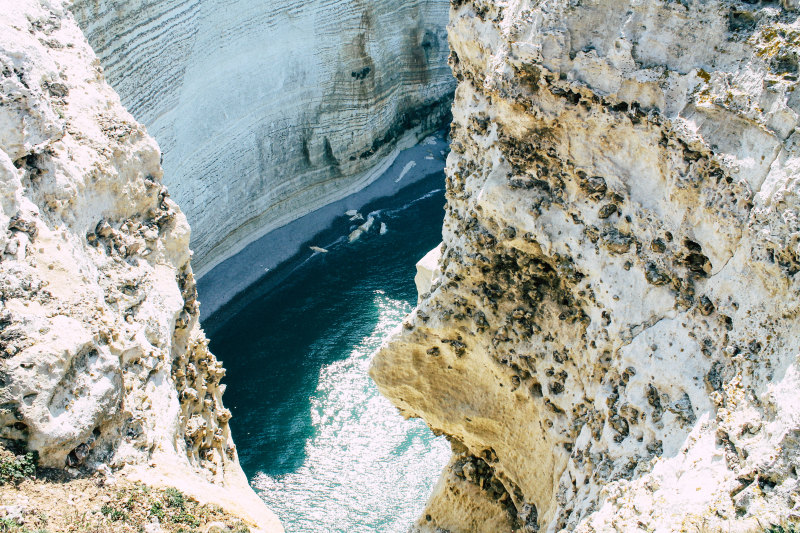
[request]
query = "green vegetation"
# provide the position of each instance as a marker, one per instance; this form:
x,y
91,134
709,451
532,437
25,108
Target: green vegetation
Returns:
x,y
185,518
177,513
16,468
784,528
174,498
157,510
10,526
113,514
120,508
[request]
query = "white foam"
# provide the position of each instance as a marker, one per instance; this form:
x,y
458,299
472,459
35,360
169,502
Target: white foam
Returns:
x,y
406,169
364,463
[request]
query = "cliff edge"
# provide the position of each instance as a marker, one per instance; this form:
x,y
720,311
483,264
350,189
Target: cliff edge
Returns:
x,y
610,340
267,110
102,361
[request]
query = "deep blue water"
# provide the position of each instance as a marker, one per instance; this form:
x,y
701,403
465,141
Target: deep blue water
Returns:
x,y
325,451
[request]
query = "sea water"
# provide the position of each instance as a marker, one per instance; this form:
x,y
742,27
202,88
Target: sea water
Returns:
x,y
319,444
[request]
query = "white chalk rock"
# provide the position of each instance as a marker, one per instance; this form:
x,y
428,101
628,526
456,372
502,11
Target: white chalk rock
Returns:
x,y
268,109
100,336
613,344
359,231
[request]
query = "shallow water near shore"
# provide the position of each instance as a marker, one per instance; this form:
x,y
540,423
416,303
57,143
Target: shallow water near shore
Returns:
x,y
278,249
324,450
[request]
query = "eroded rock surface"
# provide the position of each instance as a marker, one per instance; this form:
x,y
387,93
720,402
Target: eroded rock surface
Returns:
x,y
102,360
267,110
611,342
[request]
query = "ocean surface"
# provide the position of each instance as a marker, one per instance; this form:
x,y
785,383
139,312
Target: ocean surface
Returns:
x,y
319,444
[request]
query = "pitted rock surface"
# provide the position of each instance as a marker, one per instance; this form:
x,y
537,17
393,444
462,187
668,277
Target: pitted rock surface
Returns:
x,y
610,342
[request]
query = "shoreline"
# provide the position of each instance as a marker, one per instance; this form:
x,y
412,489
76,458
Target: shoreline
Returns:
x,y
265,255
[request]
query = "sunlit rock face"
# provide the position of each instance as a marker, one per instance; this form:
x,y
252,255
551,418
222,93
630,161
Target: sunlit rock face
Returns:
x,y
102,360
267,110
611,341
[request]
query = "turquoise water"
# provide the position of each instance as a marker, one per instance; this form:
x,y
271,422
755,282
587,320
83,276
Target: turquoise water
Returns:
x,y
324,450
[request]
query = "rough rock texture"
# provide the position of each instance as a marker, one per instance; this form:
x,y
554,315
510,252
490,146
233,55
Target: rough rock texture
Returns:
x,y
102,360
266,110
612,340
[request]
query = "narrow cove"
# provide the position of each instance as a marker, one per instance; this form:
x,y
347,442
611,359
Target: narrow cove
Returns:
x,y
324,450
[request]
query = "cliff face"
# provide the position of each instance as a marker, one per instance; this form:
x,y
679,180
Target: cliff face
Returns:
x,y
268,110
101,356
611,339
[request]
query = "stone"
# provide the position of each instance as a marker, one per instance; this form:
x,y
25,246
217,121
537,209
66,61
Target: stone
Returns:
x,y
285,106
658,366
153,527
361,230
216,527
15,513
96,336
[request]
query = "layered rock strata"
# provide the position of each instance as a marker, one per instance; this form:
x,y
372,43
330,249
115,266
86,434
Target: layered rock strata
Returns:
x,y
266,110
102,361
611,340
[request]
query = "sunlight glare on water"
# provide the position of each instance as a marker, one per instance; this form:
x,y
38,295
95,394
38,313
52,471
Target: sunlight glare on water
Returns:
x,y
324,450
370,477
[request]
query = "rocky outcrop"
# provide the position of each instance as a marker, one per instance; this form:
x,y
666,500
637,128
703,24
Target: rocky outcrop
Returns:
x,y
611,341
266,111
102,361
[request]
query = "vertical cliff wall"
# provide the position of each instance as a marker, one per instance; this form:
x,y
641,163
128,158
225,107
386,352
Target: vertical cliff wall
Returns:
x,y
611,338
102,360
268,110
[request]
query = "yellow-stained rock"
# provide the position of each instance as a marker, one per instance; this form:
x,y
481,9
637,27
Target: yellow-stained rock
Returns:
x,y
612,342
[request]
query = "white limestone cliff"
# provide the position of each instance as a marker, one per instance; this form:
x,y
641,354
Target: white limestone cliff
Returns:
x,y
268,110
612,341
102,360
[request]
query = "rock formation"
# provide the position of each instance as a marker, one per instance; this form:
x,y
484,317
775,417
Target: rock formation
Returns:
x,y
611,340
268,110
102,361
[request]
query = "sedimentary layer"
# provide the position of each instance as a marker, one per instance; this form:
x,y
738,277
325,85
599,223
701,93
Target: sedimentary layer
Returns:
x,y
610,338
266,110
102,361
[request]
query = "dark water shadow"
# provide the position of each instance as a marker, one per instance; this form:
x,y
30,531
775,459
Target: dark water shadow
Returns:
x,y
275,338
